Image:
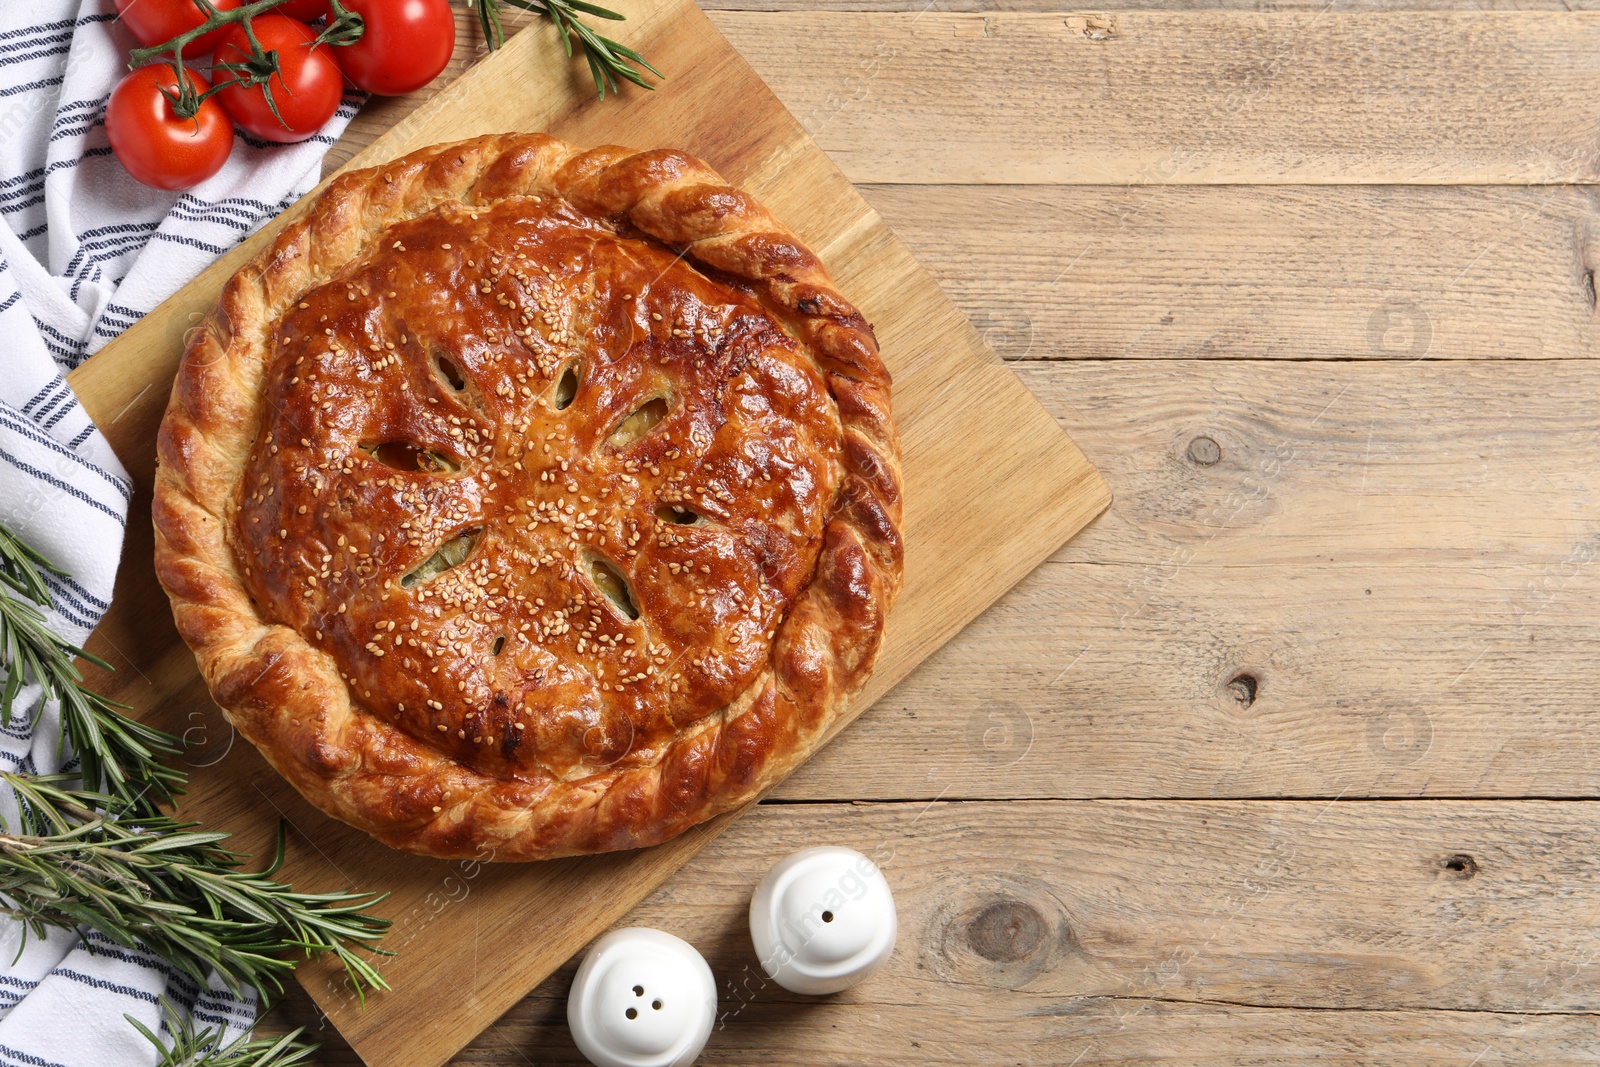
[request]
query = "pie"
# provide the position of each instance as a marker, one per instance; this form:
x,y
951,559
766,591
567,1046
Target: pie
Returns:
x,y
522,500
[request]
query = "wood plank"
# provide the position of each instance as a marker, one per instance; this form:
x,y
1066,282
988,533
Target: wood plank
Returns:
x,y
1195,680
1060,7
1005,1028
1251,272
1293,464
903,56
1401,557
1324,97
445,967
1158,932
1100,1032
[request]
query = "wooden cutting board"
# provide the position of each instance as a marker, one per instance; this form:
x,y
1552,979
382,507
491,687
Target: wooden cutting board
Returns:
x,y
992,487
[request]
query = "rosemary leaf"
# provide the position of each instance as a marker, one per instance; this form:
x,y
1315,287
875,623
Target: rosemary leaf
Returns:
x,y
607,59
106,855
119,755
160,882
204,1048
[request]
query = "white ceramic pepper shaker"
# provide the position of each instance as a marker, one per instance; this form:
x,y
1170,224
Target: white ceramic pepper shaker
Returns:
x,y
642,998
823,920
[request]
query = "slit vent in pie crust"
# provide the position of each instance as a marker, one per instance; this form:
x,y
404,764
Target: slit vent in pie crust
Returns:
x,y
522,501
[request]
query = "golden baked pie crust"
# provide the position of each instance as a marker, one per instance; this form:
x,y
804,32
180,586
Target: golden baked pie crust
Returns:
x,y
563,725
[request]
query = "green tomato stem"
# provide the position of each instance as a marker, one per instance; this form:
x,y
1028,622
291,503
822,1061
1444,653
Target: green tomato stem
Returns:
x,y
215,20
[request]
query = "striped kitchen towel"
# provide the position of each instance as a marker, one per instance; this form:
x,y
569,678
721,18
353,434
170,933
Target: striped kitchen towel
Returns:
x,y
84,252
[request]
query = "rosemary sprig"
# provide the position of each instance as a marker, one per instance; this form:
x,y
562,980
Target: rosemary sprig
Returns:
x,y
118,755
105,855
203,1048
23,569
173,888
608,59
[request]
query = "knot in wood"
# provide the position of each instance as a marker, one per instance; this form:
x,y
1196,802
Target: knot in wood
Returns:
x,y
1204,452
1243,687
1006,932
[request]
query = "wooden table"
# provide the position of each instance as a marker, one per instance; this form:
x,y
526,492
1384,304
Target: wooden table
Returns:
x,y
1290,756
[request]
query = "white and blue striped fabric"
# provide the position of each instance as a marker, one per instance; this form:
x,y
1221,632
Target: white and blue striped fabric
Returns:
x,y
84,252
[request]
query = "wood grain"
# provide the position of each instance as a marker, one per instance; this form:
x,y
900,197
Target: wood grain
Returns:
x,y
1158,932
1243,682
1345,541
465,967
1100,1032
1001,1028
1153,98
1301,92
1262,272
1396,7
1290,465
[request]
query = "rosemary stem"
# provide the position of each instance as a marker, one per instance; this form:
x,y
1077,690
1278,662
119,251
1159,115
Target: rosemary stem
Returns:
x,y
107,855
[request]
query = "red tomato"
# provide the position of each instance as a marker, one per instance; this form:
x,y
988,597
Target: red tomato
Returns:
x,y
405,46
304,10
307,91
153,143
154,22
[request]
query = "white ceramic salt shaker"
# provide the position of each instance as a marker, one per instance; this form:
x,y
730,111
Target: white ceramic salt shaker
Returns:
x,y
823,920
642,998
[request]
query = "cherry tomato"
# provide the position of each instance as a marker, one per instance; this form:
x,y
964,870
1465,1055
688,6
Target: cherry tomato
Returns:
x,y
405,46
304,10
153,143
154,22
307,91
